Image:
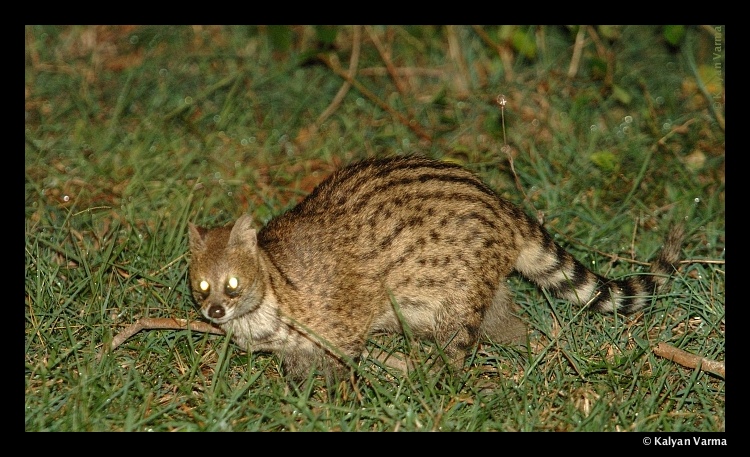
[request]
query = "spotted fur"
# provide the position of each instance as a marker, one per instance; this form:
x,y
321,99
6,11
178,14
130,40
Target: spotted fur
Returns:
x,y
386,244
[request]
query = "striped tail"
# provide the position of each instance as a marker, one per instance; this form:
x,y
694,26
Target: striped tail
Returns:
x,y
551,267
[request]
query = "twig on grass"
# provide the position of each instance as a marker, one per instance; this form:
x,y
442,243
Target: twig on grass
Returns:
x,y
689,360
202,96
410,123
385,56
502,49
575,60
461,77
407,72
353,64
159,323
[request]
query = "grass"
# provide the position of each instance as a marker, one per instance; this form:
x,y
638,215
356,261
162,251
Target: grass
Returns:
x,y
131,132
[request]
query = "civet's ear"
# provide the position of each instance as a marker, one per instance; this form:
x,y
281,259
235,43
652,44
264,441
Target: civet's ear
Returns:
x,y
243,234
197,237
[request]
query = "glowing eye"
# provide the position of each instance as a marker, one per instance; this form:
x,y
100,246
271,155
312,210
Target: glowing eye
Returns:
x,y
204,286
230,288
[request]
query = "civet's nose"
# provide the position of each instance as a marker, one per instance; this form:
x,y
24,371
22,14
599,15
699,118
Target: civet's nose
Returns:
x,y
216,312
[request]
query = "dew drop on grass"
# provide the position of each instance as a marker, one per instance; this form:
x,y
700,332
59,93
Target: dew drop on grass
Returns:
x,y
697,200
188,100
66,198
289,148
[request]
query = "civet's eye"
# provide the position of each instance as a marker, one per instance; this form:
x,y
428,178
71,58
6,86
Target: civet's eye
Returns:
x,y
203,288
231,286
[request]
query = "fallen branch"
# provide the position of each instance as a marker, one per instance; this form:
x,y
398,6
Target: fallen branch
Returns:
x,y
160,323
689,360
